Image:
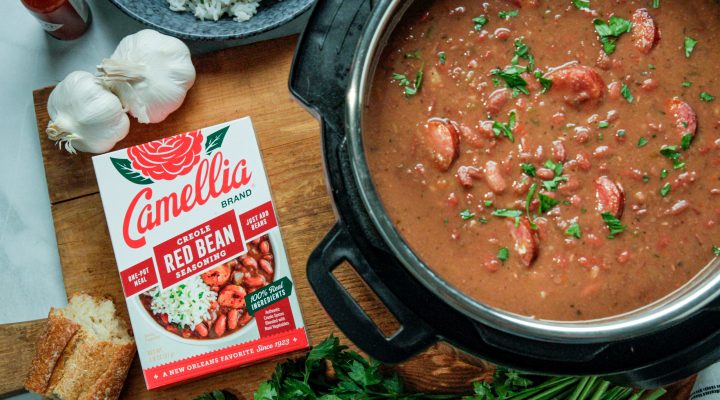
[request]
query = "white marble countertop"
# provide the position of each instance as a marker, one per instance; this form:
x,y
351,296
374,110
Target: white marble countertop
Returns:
x,y
30,59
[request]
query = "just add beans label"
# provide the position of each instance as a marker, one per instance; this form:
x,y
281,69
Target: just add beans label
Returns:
x,y
199,251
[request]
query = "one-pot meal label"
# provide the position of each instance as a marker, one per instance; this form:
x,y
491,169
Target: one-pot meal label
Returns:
x,y
201,260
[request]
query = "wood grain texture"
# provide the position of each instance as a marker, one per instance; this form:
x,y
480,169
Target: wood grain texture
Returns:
x,y
233,83
17,342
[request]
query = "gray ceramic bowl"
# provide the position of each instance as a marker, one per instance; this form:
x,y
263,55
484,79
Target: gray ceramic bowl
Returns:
x,y
156,13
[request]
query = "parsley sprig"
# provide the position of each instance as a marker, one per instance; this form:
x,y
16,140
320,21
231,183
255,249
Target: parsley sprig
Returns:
x,y
411,88
505,129
610,31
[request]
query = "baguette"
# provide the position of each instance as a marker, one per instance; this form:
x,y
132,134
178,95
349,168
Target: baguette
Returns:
x,y
84,354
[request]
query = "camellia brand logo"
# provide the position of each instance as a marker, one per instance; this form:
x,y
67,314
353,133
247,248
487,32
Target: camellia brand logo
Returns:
x,y
167,159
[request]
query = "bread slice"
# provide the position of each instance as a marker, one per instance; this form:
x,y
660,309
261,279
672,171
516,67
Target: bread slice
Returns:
x,y
84,354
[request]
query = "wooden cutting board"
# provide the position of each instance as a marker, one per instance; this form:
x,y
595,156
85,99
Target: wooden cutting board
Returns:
x,y
243,81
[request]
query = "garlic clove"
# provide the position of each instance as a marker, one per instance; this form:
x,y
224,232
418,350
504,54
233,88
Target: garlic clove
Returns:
x,y
84,115
150,73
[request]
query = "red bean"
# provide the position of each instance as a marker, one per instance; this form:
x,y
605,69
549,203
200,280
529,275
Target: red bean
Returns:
x,y
649,84
220,325
623,257
545,173
502,33
474,137
254,281
614,90
266,266
678,208
268,257
249,262
558,151
521,186
494,178
164,318
583,161
465,175
264,247
496,101
492,265
186,333
601,152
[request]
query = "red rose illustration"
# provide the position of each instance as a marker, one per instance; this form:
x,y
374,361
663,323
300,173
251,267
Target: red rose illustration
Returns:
x,y
165,159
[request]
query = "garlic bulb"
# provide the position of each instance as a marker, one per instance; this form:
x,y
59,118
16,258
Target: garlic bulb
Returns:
x,y
84,115
150,73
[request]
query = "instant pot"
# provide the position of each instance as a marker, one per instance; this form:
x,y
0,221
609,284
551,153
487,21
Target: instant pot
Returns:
x,y
331,75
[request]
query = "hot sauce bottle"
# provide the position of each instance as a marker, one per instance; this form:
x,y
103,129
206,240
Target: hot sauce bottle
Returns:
x,y
62,19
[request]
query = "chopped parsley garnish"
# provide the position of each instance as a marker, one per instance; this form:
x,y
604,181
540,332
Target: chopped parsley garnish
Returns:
x,y
441,56
574,231
556,167
686,141
503,254
651,66
552,185
467,214
610,31
625,91
705,96
665,190
410,88
603,124
488,203
655,3
686,84
582,4
483,220
544,82
502,212
614,225
523,51
413,54
663,174
673,154
512,78
505,129
528,202
716,250
621,133
479,22
689,46
547,203
508,14
645,179
642,142
528,169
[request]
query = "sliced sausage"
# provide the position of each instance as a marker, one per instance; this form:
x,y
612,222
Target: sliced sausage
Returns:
x,y
440,138
497,100
645,33
579,84
683,116
610,196
527,241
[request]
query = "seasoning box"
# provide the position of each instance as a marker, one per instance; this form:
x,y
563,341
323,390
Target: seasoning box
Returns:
x,y
199,251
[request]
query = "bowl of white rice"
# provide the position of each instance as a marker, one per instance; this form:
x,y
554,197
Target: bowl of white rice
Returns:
x,y
185,305
214,19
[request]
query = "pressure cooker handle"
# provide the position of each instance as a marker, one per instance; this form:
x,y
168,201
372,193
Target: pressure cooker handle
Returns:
x,y
320,70
413,335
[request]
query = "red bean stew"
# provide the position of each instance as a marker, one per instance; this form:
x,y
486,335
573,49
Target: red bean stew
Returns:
x,y
231,281
557,159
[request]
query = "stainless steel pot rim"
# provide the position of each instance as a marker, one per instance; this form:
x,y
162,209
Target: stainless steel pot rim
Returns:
x,y
672,309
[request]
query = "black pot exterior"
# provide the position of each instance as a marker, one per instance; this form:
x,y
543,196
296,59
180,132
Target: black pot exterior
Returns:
x,y
319,79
